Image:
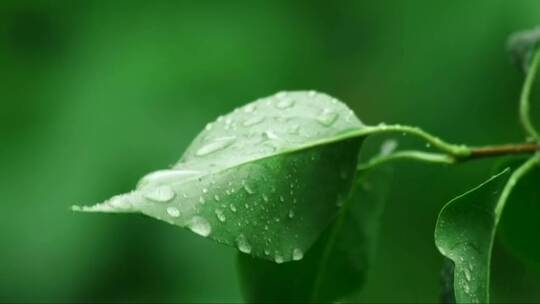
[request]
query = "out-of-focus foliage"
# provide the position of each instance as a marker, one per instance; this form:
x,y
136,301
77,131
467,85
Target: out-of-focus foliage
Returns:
x,y
335,269
96,93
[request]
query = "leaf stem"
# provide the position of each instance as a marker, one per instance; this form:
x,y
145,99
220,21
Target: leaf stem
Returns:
x,y
491,151
451,153
514,178
524,103
457,151
412,155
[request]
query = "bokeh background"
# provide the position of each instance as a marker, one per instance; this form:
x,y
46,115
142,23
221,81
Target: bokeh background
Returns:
x,y
94,94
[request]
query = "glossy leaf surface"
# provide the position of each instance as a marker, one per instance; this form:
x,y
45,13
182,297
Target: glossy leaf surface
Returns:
x,y
465,232
266,178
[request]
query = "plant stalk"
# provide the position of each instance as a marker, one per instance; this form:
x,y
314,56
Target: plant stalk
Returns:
x,y
524,102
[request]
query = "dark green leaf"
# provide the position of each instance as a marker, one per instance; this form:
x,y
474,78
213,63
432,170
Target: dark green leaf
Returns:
x,y
520,222
464,233
266,178
337,264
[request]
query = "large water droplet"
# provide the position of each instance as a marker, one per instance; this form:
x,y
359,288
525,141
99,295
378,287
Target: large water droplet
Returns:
x,y
160,194
253,121
243,244
327,117
165,177
220,215
297,254
216,145
200,226
173,211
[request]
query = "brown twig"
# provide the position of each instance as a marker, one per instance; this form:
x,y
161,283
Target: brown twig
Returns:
x,y
522,148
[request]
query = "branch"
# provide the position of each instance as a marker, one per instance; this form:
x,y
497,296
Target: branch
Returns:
x,y
483,152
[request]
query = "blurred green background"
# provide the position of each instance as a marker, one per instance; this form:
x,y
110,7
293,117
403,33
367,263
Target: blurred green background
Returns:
x,y
94,94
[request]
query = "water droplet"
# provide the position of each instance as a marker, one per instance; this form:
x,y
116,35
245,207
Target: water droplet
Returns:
x,y
281,198
165,177
201,200
428,145
220,215
249,108
248,189
216,145
297,254
200,226
160,194
327,117
216,197
253,121
265,197
243,244
291,213
204,190
467,274
267,252
173,211
269,134
285,103
233,207
278,258
120,202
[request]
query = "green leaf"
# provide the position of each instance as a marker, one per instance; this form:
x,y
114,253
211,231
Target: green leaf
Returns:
x,y
522,46
464,233
266,178
336,266
521,219
466,227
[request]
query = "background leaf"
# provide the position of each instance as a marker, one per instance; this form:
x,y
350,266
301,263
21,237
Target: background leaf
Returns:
x,y
337,264
520,221
266,178
464,233
522,45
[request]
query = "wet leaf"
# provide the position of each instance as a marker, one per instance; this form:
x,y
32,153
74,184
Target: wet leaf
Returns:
x,y
266,178
337,264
